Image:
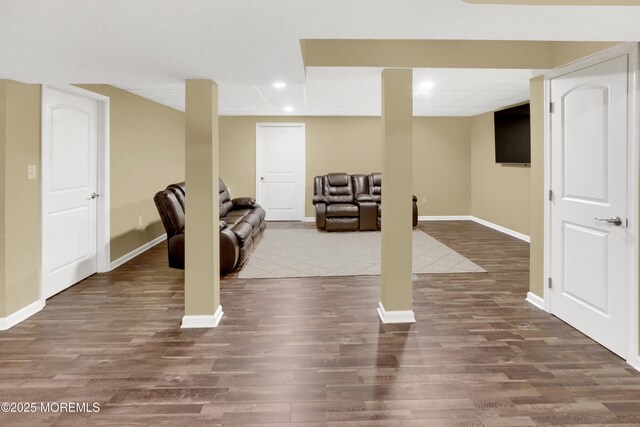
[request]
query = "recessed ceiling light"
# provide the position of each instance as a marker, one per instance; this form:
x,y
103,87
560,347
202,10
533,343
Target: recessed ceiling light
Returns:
x,y
288,108
426,85
279,85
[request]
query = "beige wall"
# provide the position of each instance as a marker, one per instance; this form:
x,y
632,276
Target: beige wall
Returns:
x,y
20,198
353,144
499,193
147,154
442,165
536,230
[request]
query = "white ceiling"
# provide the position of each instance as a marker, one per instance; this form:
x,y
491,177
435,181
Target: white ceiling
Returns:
x,y
255,42
152,46
356,92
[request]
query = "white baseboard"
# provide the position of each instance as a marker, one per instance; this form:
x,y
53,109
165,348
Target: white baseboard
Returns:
x,y
309,219
501,229
535,300
395,316
202,321
134,253
445,218
20,315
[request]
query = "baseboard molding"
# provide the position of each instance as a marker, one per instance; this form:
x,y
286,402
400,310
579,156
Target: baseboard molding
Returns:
x,y
395,316
445,218
202,321
309,219
502,229
21,315
535,300
134,253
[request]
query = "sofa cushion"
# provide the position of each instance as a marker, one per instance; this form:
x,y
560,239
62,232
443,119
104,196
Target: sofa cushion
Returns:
x,y
259,211
252,219
224,199
375,186
171,212
337,184
243,231
339,210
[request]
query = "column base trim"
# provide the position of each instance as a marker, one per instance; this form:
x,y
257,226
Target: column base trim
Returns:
x,y
202,321
395,316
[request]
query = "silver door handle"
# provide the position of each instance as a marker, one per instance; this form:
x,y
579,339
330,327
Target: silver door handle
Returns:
x,y
262,178
94,195
615,220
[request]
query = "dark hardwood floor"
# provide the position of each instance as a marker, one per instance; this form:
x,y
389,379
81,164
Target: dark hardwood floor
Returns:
x,y
312,352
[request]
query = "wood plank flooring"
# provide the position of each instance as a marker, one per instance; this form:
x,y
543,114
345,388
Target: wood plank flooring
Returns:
x,y
312,352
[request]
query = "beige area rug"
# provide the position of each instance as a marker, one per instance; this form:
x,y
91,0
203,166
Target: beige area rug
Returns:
x,y
306,252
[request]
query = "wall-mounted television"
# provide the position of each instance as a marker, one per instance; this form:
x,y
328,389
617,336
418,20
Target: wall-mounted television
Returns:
x,y
513,134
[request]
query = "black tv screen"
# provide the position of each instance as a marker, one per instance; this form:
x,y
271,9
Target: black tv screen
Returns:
x,y
513,135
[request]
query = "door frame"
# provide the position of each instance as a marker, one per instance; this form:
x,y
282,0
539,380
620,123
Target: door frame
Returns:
x,y
259,152
103,213
633,185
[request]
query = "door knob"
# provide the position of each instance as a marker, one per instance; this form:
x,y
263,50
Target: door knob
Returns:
x,y
94,195
262,178
615,220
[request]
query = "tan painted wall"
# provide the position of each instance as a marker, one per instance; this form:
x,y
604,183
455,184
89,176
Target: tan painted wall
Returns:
x,y
147,154
442,165
20,146
499,193
353,144
536,230
3,142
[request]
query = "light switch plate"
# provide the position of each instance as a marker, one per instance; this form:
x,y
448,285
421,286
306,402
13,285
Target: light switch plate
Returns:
x,y
32,172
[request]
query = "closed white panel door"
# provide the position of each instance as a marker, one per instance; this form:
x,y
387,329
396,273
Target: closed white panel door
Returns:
x,y
280,171
589,205
69,184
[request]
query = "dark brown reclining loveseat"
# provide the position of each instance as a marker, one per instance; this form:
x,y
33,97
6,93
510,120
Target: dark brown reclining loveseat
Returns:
x,y
350,202
242,222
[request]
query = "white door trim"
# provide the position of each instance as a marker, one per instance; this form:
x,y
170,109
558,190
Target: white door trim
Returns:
x,y
103,238
301,184
633,184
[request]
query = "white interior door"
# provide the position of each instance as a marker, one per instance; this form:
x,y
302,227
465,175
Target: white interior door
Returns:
x,y
589,142
69,186
280,166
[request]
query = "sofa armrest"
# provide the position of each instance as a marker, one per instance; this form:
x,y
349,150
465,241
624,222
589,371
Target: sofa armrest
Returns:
x,y
244,202
229,251
175,247
364,198
318,199
321,216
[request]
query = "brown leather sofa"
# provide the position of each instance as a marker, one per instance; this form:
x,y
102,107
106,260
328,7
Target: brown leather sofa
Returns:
x,y
350,202
242,222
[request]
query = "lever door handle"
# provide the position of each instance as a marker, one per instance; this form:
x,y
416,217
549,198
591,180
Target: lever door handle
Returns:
x,y
615,220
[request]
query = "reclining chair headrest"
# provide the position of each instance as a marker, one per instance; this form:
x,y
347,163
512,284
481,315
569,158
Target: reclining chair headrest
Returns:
x,y
338,179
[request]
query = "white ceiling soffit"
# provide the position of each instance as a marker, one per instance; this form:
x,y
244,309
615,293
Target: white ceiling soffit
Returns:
x,y
356,92
255,42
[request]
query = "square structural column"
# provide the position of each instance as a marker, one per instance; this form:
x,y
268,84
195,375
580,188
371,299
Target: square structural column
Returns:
x,y
396,301
202,236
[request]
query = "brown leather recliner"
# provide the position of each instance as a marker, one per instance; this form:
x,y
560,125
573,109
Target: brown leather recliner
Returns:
x,y
350,202
242,222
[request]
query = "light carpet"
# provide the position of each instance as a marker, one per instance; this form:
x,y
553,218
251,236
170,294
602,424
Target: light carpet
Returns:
x,y
306,253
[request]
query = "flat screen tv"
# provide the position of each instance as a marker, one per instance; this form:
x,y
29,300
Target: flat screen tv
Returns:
x,y
513,135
